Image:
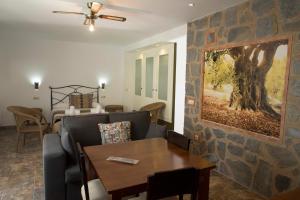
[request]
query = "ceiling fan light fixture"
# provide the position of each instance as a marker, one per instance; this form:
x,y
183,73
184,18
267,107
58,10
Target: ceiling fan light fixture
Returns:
x,y
92,25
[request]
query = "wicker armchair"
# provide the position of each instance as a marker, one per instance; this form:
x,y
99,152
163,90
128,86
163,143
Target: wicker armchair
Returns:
x,y
155,109
28,120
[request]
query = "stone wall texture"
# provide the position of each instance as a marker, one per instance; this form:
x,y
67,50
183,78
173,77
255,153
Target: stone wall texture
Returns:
x,y
264,167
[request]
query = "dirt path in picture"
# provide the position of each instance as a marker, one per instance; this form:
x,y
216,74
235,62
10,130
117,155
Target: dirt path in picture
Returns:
x,y
217,110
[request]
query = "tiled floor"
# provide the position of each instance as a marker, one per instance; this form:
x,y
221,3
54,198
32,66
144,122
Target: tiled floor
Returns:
x,y
21,175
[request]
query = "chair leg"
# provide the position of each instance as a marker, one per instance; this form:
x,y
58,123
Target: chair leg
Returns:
x,y
181,197
18,141
24,138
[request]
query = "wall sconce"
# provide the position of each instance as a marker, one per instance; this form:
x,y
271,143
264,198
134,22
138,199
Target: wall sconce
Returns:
x,y
36,85
102,86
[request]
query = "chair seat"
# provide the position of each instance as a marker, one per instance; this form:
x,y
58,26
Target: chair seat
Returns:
x,y
96,190
33,128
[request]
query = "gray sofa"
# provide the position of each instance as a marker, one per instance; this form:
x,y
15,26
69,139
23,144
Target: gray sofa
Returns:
x,y
62,176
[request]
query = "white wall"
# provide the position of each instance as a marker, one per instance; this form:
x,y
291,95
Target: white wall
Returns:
x,y
57,63
178,35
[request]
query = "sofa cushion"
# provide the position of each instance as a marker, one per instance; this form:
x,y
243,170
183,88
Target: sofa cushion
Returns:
x,y
118,132
140,122
73,174
82,129
156,131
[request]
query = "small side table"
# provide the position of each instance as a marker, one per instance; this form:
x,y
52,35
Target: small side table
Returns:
x,y
114,108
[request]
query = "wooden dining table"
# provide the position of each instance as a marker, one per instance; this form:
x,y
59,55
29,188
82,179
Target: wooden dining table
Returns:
x,y
154,155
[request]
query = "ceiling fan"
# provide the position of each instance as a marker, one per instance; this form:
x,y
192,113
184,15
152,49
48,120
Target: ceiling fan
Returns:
x,y
90,18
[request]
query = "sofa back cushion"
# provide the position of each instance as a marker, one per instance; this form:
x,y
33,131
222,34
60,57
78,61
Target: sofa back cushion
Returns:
x,y
82,129
140,122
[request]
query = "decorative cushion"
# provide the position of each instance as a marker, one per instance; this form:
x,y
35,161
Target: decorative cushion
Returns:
x,y
118,132
81,100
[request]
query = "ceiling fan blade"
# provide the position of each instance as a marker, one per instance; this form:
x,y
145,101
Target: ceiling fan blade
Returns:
x,y
115,18
66,12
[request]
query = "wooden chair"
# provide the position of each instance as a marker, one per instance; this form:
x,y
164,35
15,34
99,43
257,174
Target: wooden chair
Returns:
x,y
179,140
93,189
28,120
155,109
173,183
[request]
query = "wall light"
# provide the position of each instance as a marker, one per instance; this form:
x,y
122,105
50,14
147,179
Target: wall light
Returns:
x,y
102,83
102,86
36,85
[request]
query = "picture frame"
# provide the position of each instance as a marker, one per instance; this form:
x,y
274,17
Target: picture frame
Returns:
x,y
280,132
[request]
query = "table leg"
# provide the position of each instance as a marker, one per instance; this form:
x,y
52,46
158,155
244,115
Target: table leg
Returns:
x,y
203,185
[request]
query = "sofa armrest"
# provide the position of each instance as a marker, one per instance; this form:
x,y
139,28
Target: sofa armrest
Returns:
x,y
54,159
156,130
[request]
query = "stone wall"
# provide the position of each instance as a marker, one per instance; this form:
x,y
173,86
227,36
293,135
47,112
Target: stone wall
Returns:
x,y
265,168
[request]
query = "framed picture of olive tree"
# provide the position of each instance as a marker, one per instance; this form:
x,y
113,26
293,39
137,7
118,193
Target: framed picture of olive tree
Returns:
x,y
245,86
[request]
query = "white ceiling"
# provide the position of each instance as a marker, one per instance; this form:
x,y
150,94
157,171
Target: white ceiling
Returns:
x,y
144,18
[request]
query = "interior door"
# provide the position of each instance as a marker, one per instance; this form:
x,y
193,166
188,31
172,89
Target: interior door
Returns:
x,y
138,83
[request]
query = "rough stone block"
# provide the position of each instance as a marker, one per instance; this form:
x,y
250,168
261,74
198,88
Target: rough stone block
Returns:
x,y
212,158
192,55
235,150
198,127
207,133
297,149
289,8
190,37
294,133
241,172
197,87
251,158
239,34
295,87
195,69
253,145
221,149
260,7
215,19
296,66
201,23
188,123
231,16
236,138
189,89
219,133
245,17
223,168
292,26
282,183
200,38
211,146
281,156
263,179
266,26
293,114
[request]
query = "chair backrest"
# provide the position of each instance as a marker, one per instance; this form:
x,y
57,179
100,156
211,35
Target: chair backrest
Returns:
x,y
154,109
172,183
81,160
179,140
